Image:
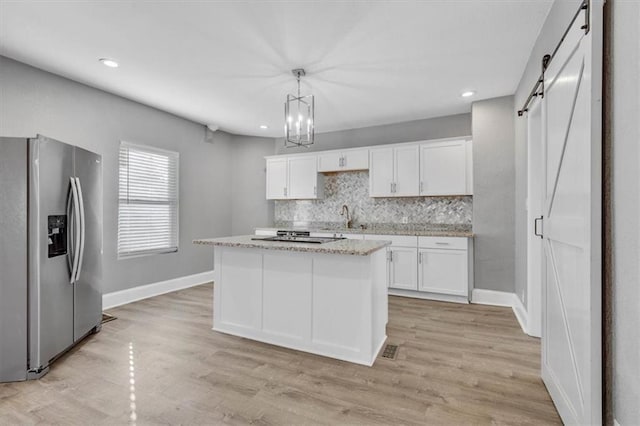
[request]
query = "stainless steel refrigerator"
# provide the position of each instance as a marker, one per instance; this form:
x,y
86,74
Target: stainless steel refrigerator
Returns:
x,y
50,252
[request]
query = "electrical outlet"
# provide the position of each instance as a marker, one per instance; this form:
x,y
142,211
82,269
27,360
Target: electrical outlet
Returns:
x,y
405,219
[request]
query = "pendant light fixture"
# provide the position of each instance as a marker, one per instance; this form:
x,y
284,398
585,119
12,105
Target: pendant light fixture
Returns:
x,y
298,117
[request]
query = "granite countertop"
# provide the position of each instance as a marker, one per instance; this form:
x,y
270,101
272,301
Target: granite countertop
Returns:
x,y
346,247
463,231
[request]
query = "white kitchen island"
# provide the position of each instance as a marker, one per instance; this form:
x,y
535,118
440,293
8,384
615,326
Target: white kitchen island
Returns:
x,y
328,299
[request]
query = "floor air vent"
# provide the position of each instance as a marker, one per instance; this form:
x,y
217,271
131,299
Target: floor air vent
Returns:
x,y
390,352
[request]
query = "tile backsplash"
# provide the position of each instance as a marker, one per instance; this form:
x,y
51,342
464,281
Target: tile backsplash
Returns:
x,y
352,189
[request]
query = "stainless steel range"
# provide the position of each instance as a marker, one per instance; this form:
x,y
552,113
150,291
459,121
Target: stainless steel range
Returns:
x,y
298,237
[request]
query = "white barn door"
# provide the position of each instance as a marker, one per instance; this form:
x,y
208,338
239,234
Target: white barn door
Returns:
x,y
571,302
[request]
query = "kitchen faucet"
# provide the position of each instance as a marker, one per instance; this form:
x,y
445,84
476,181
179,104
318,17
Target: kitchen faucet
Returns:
x,y
347,220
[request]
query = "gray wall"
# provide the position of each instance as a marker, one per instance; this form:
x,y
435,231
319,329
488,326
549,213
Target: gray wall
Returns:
x,y
559,17
33,101
493,193
250,208
431,128
625,137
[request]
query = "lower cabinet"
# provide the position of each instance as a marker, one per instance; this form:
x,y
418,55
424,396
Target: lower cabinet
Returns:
x,y
439,268
403,268
443,271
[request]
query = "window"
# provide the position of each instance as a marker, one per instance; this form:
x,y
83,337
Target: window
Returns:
x,y
148,201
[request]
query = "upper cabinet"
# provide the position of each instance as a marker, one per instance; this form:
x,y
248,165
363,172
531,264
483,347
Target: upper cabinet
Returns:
x,y
294,178
381,172
394,172
443,168
304,180
412,169
277,178
406,170
342,161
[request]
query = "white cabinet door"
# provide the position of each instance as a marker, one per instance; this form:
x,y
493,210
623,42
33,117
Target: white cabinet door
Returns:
x,y
330,161
406,171
340,161
443,271
355,160
443,168
380,172
403,268
277,178
303,177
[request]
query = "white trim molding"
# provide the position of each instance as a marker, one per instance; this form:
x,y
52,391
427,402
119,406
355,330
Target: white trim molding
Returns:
x,y
521,314
502,298
122,297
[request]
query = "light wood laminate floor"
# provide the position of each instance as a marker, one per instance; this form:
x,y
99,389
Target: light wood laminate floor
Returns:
x,y
457,364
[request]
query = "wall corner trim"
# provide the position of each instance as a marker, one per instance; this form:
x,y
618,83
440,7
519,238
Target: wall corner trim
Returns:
x,y
122,297
502,298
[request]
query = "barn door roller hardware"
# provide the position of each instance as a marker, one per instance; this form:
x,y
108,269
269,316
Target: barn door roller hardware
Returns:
x,y
538,87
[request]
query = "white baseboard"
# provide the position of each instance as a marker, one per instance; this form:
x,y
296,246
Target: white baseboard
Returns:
x,y
122,297
521,313
427,296
502,298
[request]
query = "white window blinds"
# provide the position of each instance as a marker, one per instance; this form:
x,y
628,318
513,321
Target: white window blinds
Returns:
x,y
148,201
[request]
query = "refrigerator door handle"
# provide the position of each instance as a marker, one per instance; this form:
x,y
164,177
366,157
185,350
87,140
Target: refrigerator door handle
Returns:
x,y
70,253
82,229
76,230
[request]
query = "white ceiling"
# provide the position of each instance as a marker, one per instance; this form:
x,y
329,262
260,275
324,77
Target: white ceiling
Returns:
x,y
228,63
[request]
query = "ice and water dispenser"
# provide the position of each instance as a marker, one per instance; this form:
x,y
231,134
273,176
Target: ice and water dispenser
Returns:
x,y
57,234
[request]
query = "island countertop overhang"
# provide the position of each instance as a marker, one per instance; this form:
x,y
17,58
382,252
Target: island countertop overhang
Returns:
x,y
341,247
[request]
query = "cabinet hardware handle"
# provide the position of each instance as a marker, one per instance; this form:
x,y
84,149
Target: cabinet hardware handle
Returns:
x,y
315,190
344,161
419,257
535,226
391,187
440,243
421,186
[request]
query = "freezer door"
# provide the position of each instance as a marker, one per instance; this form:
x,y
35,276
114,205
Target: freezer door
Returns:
x,y
50,291
13,259
88,288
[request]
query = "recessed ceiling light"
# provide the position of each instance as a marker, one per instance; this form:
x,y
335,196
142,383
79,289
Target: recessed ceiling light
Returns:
x,y
467,94
109,62
264,126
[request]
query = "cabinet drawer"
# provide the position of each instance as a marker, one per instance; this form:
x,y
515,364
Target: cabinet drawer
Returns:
x,y
459,243
396,240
